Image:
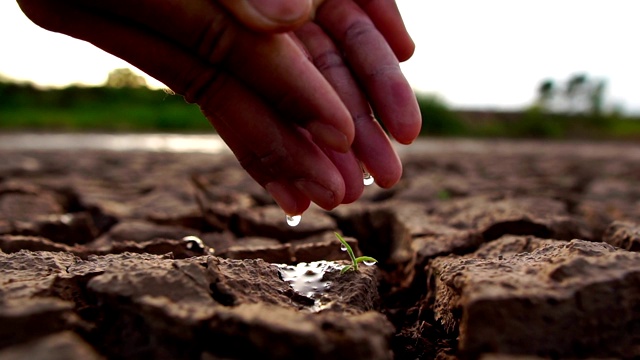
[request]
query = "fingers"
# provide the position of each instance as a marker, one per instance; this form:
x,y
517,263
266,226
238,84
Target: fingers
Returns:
x,y
270,15
291,201
279,70
233,73
386,16
375,65
351,172
273,66
371,145
271,150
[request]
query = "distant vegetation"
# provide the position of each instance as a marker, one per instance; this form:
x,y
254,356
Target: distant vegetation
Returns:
x,y
571,109
124,103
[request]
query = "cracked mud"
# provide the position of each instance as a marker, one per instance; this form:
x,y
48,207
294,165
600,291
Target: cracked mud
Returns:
x,y
518,249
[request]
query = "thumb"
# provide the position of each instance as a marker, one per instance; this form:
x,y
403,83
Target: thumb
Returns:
x,y
270,15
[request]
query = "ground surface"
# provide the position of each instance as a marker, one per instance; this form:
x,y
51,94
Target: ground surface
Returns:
x,y
486,248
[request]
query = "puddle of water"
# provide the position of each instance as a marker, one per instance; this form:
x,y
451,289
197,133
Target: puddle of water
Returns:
x,y
307,280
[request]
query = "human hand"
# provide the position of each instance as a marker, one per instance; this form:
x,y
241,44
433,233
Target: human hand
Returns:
x,y
288,126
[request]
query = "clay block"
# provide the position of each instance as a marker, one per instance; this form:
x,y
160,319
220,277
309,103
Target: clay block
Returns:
x,y
624,235
269,221
64,345
569,299
25,319
157,307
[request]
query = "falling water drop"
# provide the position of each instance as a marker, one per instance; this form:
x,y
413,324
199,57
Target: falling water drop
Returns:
x,y
369,263
293,220
343,247
367,179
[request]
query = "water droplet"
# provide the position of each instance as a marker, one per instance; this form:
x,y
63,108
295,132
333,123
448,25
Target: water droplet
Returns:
x,y
343,247
367,179
66,219
293,220
369,263
193,243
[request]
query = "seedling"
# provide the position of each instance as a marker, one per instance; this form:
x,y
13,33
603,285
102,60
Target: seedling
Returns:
x,y
368,260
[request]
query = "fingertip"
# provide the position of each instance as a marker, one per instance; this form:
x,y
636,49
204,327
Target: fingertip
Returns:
x,y
407,131
353,193
390,177
288,198
404,50
351,172
405,138
387,18
403,119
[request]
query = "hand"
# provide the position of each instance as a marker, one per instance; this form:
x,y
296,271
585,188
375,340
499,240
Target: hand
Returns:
x,y
289,126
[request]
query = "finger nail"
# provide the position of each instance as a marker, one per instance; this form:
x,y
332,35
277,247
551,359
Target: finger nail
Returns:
x,y
282,11
317,193
329,136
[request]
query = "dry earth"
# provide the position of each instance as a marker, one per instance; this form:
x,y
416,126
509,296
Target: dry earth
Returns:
x,y
487,250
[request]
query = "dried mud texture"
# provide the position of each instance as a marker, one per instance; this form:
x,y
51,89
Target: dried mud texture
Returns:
x,y
64,345
557,300
184,308
486,249
624,235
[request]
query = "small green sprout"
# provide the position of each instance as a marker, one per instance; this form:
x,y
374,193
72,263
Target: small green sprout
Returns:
x,y
354,260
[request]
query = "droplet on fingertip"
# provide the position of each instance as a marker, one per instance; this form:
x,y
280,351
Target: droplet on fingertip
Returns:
x,y
367,179
293,220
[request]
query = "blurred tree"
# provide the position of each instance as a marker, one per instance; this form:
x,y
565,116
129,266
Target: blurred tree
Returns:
x,y
545,94
578,95
438,118
120,78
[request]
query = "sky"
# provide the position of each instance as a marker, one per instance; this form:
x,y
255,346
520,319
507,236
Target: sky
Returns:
x,y
489,54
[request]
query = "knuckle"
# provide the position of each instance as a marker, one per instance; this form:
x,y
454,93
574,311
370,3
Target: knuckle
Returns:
x,y
200,85
359,31
362,118
214,40
270,161
328,60
273,159
383,70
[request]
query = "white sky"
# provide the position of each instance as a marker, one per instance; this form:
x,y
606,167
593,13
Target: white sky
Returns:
x,y
471,53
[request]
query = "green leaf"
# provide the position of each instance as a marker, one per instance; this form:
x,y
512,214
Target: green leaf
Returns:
x,y
349,250
346,268
365,258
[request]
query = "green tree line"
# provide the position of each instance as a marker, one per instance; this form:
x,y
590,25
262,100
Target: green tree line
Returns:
x,y
122,104
564,109
573,108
